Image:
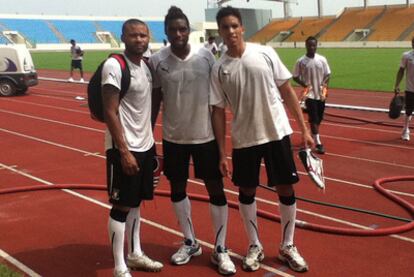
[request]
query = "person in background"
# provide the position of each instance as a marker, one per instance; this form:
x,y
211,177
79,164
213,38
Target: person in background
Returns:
x,y
181,82
312,72
407,64
130,149
254,83
211,45
76,62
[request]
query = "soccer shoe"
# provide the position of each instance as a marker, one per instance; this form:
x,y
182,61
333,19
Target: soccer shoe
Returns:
x,y
70,79
405,135
314,166
186,251
320,149
122,273
158,167
290,255
224,264
144,263
253,258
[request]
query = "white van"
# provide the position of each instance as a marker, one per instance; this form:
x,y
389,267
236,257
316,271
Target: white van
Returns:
x,y
17,72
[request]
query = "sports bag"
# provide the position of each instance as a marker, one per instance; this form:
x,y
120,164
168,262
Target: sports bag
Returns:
x,y
396,105
95,102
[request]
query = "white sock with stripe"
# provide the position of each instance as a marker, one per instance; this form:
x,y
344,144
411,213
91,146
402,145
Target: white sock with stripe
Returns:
x,y
116,232
407,122
317,139
248,213
133,224
219,215
287,220
183,212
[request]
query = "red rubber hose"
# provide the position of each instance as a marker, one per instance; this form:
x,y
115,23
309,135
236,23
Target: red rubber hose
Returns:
x,y
267,215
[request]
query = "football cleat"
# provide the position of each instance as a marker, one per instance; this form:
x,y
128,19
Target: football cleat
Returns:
x,y
313,166
158,168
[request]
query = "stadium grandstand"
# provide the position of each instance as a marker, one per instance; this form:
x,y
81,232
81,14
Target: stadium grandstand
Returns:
x,y
365,26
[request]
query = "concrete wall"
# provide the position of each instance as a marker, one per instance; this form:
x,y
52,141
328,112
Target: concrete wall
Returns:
x,y
349,44
253,20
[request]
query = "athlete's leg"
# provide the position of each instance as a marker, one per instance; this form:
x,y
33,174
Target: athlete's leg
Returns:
x,y
116,230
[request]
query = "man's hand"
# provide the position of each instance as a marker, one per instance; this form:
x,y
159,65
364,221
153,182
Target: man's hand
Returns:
x,y
397,90
129,164
224,167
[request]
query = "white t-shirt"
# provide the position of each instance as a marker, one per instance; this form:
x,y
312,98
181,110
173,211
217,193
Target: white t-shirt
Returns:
x,y
185,90
249,86
312,71
211,46
135,106
407,62
75,52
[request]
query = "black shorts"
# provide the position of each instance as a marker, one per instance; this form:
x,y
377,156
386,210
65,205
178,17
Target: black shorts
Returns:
x,y
279,162
409,102
177,159
77,64
316,109
127,190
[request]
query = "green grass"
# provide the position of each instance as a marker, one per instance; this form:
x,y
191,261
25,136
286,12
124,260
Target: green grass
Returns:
x,y
364,69
61,60
7,272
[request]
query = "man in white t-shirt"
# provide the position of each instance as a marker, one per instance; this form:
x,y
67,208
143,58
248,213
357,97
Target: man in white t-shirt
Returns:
x,y
181,82
312,72
211,45
252,81
76,54
407,63
129,145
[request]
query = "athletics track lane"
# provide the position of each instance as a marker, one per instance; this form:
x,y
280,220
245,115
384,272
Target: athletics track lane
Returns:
x,y
80,237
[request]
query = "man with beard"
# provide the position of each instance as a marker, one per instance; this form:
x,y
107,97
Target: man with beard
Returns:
x,y
129,145
181,82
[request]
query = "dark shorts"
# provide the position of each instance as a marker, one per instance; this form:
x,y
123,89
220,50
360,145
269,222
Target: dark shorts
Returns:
x,y
279,162
409,102
177,160
128,190
77,64
316,109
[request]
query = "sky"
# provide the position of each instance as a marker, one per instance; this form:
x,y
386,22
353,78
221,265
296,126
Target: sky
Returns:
x,y
158,8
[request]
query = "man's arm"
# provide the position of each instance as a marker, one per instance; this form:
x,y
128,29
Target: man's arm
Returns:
x,y
218,120
299,81
155,105
291,100
400,75
110,97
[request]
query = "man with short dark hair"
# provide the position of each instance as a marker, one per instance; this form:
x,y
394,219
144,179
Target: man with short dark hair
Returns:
x,y
76,62
252,81
130,149
407,63
312,72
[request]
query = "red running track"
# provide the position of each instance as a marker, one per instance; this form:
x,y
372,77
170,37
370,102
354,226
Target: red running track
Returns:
x,y
47,138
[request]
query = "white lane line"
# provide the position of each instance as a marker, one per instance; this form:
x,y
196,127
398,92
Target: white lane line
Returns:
x,y
149,222
18,264
232,192
102,131
102,156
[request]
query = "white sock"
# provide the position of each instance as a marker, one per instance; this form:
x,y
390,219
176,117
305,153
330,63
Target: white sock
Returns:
x,y
317,139
116,232
133,224
219,216
249,216
183,212
407,122
287,220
